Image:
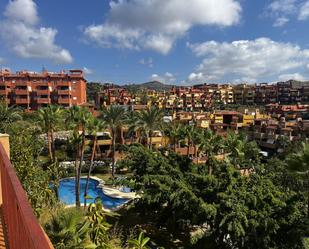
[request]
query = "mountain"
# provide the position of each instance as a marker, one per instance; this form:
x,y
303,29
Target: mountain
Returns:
x,y
151,85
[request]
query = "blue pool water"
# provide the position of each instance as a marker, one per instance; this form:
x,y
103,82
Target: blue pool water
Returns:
x,y
67,193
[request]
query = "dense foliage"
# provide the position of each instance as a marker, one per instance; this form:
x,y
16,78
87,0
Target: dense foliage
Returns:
x,y
226,208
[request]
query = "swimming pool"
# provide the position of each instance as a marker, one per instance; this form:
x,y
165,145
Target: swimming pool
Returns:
x,y
67,193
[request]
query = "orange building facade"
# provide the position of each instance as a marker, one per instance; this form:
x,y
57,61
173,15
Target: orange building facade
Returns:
x,y
31,90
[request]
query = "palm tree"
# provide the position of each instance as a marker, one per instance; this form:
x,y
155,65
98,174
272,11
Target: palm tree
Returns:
x,y
8,115
94,126
85,117
189,131
211,144
79,118
139,243
131,120
148,121
114,117
298,163
67,229
174,131
235,145
49,118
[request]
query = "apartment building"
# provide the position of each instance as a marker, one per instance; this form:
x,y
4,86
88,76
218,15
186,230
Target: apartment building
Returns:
x,y
31,90
265,94
289,92
244,94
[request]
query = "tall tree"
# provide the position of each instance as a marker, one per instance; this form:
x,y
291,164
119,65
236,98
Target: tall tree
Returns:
x,y
189,131
79,118
8,115
94,126
298,163
211,144
114,117
148,121
174,132
131,121
49,117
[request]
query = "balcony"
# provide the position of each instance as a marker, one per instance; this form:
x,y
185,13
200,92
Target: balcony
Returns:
x,y
22,101
184,151
42,91
155,140
22,83
104,142
63,83
64,92
4,92
43,100
22,229
64,101
21,91
42,83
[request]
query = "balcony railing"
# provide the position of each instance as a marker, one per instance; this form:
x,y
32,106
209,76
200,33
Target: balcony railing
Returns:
x,y
22,227
63,83
42,91
64,92
21,91
22,83
43,100
64,101
22,101
4,92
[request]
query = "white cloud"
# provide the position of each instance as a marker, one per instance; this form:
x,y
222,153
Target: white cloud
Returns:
x,y
147,62
304,11
167,78
244,80
258,59
87,70
157,24
1,60
22,10
282,6
196,77
292,76
280,21
24,36
283,10
280,10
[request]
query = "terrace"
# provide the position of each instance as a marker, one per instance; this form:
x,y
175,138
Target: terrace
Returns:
x,y
19,227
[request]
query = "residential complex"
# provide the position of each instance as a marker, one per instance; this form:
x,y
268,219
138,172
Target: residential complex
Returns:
x,y
31,90
271,128
208,95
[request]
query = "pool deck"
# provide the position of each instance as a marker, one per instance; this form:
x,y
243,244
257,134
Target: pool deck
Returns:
x,y
114,192
111,192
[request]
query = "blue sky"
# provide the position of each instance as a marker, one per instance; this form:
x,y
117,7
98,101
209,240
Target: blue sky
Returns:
x,y
174,41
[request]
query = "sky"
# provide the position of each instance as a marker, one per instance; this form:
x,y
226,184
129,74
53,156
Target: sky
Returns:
x,y
174,41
